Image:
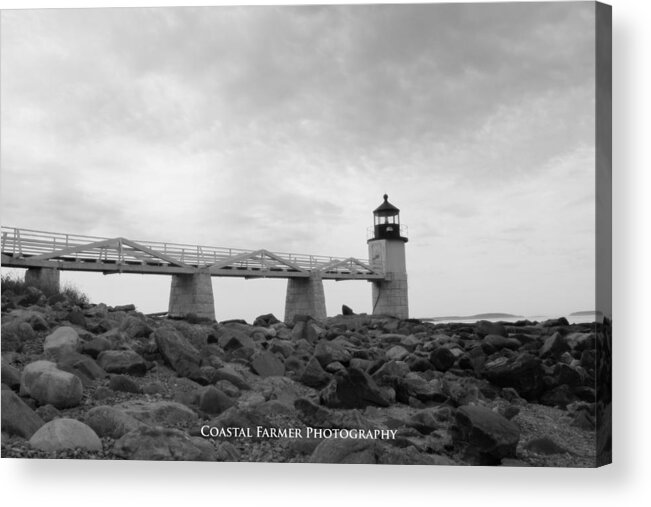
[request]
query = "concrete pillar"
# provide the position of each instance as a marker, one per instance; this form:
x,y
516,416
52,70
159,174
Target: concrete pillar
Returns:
x,y
305,296
192,294
390,296
46,279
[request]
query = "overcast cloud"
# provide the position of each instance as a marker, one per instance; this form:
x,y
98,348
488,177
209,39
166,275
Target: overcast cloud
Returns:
x,y
281,128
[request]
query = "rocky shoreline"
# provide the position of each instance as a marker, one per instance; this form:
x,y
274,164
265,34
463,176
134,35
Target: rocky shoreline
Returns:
x,y
96,382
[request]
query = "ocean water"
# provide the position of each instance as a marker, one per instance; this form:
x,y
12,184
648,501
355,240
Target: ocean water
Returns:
x,y
572,319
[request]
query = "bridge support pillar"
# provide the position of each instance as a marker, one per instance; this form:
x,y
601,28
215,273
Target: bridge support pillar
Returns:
x,y
46,279
390,296
192,294
305,296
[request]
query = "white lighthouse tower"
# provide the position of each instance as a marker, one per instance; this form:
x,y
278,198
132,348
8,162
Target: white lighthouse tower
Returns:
x,y
386,251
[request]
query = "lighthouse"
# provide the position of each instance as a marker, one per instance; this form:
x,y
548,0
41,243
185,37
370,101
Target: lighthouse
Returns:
x,y
386,252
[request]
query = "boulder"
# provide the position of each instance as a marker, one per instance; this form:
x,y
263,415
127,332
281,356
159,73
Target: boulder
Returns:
x,y
267,364
442,358
111,422
329,352
569,375
60,434
390,371
231,339
523,372
31,372
135,327
413,386
553,346
213,401
82,366
494,342
354,389
397,353
58,388
17,417
486,436
63,339
347,310
96,346
10,375
266,320
164,444
14,333
122,361
313,375
177,351
48,412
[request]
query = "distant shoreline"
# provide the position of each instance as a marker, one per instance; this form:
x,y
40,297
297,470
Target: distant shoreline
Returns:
x,y
478,316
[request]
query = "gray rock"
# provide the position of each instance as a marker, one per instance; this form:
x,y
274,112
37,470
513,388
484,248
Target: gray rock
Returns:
x,y
266,320
354,389
523,372
487,436
111,422
48,412
122,361
213,401
61,434
17,417
442,358
266,364
10,375
390,371
313,375
95,346
58,388
63,339
178,352
330,352
14,334
82,366
164,444
397,353
554,346
135,327
31,372
231,339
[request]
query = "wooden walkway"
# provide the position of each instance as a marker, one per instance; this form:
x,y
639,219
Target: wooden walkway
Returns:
x,y
26,248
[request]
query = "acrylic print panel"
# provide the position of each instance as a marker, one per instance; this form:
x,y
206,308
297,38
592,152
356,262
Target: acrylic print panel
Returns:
x,y
244,177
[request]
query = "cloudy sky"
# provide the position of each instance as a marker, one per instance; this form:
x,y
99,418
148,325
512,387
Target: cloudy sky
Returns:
x,y
281,128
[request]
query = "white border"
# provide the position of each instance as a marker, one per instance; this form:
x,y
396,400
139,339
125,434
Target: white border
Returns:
x,y
626,482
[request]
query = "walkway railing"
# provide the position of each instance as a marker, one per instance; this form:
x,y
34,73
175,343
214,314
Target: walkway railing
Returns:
x,y
30,246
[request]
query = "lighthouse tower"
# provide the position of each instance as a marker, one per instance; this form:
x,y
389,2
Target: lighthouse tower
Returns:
x,y
386,252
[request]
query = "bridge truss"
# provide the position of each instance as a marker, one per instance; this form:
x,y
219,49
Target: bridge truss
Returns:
x,y
26,248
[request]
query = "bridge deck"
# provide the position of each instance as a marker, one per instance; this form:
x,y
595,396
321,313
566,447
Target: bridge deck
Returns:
x,y
25,248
